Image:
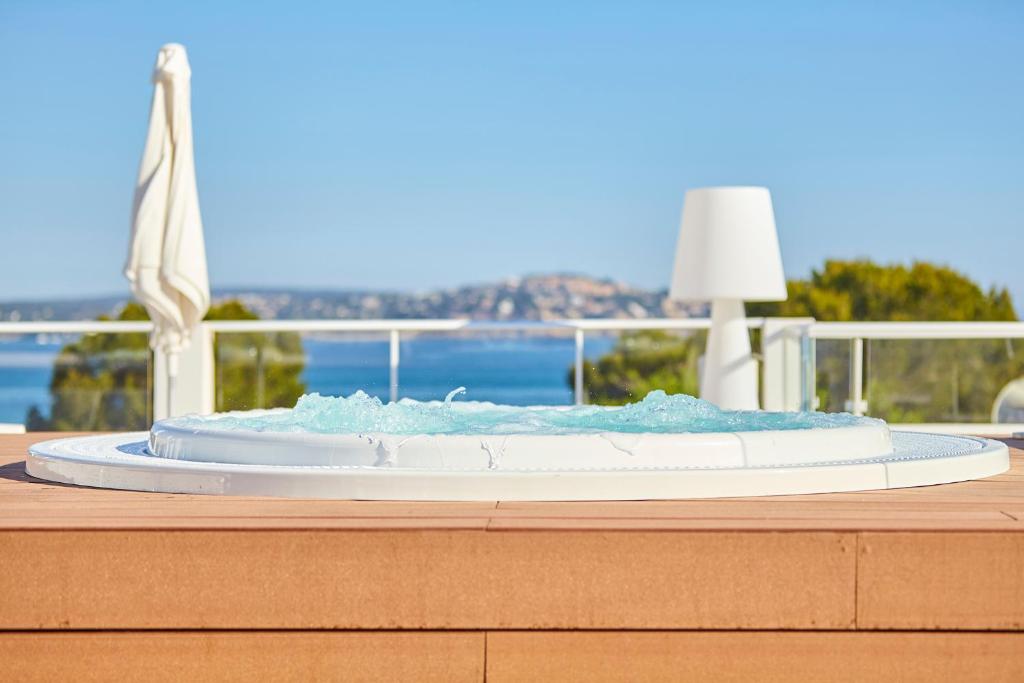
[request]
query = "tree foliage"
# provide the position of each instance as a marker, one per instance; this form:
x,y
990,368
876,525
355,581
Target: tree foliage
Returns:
x,y
103,381
639,363
256,369
862,290
906,381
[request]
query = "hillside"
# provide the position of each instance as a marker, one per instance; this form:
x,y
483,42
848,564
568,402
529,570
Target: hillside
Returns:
x,y
534,297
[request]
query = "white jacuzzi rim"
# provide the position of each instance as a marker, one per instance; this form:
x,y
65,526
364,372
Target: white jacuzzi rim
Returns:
x,y
584,450
108,461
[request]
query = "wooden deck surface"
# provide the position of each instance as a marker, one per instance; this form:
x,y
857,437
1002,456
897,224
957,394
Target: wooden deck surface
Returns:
x,y
916,583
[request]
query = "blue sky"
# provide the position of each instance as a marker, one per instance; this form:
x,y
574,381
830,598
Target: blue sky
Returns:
x,y
415,145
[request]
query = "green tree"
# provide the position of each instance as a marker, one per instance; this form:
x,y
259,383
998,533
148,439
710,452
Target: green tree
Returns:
x,y
256,369
102,381
641,362
862,290
907,381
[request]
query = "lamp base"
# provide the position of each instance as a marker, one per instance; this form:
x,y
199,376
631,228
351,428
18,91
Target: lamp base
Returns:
x,y
730,373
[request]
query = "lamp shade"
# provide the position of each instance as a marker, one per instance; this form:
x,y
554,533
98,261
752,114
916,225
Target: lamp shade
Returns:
x,y
728,247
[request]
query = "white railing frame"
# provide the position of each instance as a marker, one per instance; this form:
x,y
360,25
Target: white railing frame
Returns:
x,y
75,327
916,330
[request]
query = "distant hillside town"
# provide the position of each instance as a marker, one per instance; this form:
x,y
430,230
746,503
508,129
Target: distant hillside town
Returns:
x,y
534,297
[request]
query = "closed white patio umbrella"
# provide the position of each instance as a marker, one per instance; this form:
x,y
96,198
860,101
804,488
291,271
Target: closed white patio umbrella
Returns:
x,y
167,257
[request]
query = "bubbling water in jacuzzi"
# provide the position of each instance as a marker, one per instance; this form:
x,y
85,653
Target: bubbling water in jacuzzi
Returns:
x,y
657,413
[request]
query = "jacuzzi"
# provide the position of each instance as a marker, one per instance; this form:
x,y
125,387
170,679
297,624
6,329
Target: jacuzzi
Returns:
x,y
661,448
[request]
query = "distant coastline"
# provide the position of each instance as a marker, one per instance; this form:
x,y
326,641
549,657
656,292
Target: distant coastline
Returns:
x,y
532,297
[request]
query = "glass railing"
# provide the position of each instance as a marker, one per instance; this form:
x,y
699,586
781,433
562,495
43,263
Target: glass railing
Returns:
x,y
921,373
102,375
77,376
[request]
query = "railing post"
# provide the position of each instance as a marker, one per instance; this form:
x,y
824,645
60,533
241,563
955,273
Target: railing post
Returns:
x,y
393,359
193,389
578,369
782,383
161,386
808,371
857,405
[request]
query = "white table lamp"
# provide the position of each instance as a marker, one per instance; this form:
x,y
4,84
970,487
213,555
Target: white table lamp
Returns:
x,y
728,253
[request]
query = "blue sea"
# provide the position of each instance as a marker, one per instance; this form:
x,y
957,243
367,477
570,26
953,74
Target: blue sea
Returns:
x,y
514,371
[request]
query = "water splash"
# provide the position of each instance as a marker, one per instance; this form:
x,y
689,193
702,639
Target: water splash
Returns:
x,y
658,413
626,443
494,454
452,394
387,449
387,454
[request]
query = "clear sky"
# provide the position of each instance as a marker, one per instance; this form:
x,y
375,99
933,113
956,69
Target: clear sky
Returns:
x,y
415,145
